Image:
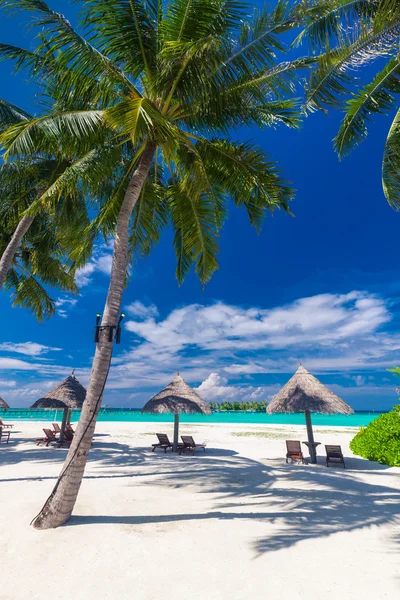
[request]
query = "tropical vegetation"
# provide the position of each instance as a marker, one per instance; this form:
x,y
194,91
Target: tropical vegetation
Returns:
x,y
36,244
148,96
239,406
349,36
380,440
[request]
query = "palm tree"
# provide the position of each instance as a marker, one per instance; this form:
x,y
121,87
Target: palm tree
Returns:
x,y
40,260
166,84
35,245
355,34
10,115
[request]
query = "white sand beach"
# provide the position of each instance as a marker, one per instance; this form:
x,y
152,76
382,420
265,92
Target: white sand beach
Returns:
x,y
232,523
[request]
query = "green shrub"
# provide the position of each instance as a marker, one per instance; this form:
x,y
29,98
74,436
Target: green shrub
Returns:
x,y
380,440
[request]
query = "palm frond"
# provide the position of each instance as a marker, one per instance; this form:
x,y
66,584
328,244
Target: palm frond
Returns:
x,y
77,55
195,236
327,20
391,164
149,218
27,292
332,77
10,114
258,40
125,31
193,20
245,173
46,134
376,97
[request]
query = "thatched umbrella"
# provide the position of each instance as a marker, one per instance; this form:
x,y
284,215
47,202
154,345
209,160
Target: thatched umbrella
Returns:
x,y
67,395
70,392
177,397
304,393
3,403
48,404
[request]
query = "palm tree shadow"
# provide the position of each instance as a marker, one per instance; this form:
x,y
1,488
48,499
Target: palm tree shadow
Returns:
x,y
301,502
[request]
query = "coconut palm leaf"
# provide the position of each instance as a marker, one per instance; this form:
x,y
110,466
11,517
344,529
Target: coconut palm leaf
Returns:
x,y
376,97
351,35
391,164
10,115
27,292
195,232
330,19
63,37
126,32
46,134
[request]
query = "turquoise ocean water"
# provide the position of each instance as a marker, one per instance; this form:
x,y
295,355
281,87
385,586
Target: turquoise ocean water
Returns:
x,y
356,420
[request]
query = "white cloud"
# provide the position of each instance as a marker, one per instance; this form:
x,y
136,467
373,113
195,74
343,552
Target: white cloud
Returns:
x,y
7,383
231,352
104,264
318,321
11,364
26,391
63,305
99,263
142,311
216,388
83,275
27,348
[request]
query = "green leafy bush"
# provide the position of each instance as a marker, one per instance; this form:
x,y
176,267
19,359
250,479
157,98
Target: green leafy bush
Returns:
x,y
380,440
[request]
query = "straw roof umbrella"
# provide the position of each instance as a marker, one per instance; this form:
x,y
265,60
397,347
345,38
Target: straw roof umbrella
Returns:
x,y
67,395
70,392
48,404
304,393
3,403
177,397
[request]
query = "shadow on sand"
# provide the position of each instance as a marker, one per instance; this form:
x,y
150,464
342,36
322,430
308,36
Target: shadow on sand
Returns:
x,y
302,501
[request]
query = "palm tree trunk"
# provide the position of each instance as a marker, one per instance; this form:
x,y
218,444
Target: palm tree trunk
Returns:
x,y
12,247
59,506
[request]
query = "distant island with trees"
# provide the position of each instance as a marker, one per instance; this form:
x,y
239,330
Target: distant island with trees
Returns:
x,y
239,406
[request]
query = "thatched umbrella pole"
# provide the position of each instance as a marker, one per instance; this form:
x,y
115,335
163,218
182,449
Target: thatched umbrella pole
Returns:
x,y
310,436
64,423
176,432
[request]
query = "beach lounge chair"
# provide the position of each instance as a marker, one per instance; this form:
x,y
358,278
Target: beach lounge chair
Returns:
x,y
293,451
68,427
334,455
189,444
50,437
69,435
56,428
2,424
4,435
163,442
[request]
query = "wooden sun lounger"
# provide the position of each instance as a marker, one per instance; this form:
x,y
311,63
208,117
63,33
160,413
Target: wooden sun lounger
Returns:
x,y
2,424
50,437
293,451
163,442
189,444
68,427
334,455
4,435
68,437
56,428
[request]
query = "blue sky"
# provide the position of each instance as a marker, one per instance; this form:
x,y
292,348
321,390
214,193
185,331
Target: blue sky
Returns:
x,y
321,287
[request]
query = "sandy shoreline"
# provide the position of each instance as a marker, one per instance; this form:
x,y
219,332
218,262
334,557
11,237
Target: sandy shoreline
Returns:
x,y
233,523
